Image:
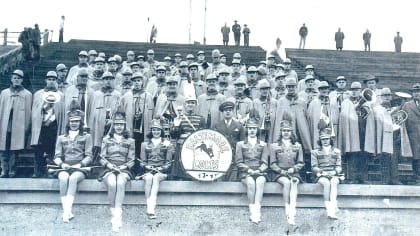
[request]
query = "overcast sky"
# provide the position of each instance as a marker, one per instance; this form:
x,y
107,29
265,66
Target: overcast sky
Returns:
x,y
126,20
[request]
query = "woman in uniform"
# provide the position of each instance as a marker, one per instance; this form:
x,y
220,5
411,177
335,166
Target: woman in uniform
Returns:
x,y
117,156
156,159
326,166
252,161
73,152
286,160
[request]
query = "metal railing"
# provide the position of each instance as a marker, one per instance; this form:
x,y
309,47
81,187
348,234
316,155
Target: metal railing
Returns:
x,y
12,37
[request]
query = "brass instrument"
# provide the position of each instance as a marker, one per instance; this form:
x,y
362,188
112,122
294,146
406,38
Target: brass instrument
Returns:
x,y
138,118
266,119
398,118
367,95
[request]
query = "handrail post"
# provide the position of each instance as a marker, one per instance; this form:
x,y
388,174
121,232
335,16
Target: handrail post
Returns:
x,y
5,37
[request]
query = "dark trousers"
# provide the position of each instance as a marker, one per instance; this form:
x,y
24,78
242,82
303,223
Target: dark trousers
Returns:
x,y
389,168
358,166
61,36
8,158
46,145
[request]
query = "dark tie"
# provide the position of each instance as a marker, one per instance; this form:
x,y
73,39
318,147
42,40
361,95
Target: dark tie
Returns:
x,y
82,101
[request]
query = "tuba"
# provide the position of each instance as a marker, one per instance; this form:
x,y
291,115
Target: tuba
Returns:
x,y
367,95
398,118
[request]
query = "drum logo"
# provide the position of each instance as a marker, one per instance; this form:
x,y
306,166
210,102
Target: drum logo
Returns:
x,y
206,155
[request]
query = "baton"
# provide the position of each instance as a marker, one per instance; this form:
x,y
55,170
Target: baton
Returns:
x,y
153,170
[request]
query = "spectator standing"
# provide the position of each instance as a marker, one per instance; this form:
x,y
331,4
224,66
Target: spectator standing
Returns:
x,y
45,37
225,32
366,40
398,40
236,29
339,38
153,34
61,36
36,42
246,33
303,32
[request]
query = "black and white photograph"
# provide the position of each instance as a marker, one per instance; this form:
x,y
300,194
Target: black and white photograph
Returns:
x,y
209,117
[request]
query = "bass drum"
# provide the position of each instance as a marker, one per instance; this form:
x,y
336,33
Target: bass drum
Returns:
x,y
206,155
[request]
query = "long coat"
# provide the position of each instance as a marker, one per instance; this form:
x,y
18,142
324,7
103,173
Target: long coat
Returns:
x,y
37,116
71,93
225,32
381,140
97,117
262,111
348,133
209,104
412,125
339,38
21,117
162,105
297,109
146,106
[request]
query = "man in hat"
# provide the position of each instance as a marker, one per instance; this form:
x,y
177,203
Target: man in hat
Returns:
x,y
215,66
151,64
243,104
61,71
246,31
168,102
83,63
92,54
126,83
351,135
288,69
320,108
47,122
209,102
310,91
104,104
279,89
185,124
309,70
382,142
131,56
232,130
95,80
398,40
338,95
226,84
236,29
138,107
236,69
157,84
190,58
303,32
366,40
265,107
15,120
371,83
80,92
185,85
412,126
339,38
194,75
225,33
61,36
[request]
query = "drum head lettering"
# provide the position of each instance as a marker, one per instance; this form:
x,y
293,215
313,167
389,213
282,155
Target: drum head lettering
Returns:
x,y
206,155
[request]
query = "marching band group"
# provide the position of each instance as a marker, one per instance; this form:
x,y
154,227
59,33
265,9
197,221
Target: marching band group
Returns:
x,y
130,118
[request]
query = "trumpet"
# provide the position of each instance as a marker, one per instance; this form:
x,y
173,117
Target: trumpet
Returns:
x,y
367,95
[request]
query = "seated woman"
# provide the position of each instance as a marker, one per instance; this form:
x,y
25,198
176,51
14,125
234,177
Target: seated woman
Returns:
x,y
156,159
326,166
286,160
73,152
117,155
252,161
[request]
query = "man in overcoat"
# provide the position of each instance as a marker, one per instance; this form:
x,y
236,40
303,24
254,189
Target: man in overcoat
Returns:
x,y
339,38
225,32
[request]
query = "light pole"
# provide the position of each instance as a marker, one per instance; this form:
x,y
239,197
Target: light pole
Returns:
x,y
189,29
205,21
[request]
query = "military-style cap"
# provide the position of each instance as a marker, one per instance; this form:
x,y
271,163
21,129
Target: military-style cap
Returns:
x,y
60,67
119,117
82,72
92,52
178,55
161,68
262,71
189,98
140,57
211,76
190,56
83,53
325,133
309,77
280,65
99,59
183,64
340,78
102,54
215,53
118,58
112,59
127,71
222,55
107,74
287,61
252,69
237,55
51,97
323,84
150,51
263,63
270,56
236,61
226,104
75,113
137,75
386,91
200,53
51,74
263,84
415,87
156,124
370,77
286,123
309,67
224,70
130,53
194,64
289,81
356,85
171,79
251,123
167,58
240,80
134,63
403,95
280,74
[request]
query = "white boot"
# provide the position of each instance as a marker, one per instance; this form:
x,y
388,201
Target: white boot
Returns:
x,y
65,209
117,221
70,200
112,214
151,205
287,211
251,212
292,214
257,212
333,208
